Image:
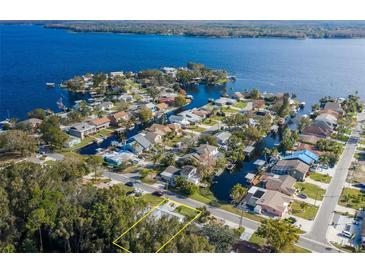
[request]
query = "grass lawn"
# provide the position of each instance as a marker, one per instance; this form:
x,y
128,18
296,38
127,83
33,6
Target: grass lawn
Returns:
x,y
84,142
104,132
311,190
237,211
240,104
196,128
151,199
352,198
307,212
187,212
359,174
209,122
323,178
217,118
203,196
343,138
229,110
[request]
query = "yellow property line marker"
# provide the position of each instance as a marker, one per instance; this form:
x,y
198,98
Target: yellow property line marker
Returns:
x,y
148,213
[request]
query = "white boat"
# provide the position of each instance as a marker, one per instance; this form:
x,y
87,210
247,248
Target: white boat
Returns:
x,y
50,85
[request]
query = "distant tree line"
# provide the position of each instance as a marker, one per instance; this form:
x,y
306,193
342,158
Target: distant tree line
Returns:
x,y
280,29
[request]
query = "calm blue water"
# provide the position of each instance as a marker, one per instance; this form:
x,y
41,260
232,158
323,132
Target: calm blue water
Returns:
x,y
30,56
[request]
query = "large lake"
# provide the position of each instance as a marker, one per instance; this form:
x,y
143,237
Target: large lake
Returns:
x,y
31,55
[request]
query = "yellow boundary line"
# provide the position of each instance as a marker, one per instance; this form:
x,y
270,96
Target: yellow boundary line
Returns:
x,y
148,213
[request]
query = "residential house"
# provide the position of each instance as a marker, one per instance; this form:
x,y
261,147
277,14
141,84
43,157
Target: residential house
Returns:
x,y
81,130
126,98
252,196
104,106
138,143
160,129
305,156
191,117
258,104
116,73
263,113
319,129
100,123
179,120
117,158
309,139
32,123
238,95
170,173
170,71
118,117
295,168
167,100
303,146
206,149
223,137
281,183
224,101
153,138
273,203
176,128
330,111
162,106
190,173
335,106
327,118
200,112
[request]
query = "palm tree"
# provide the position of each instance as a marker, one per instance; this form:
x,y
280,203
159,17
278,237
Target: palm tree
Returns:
x,y
237,193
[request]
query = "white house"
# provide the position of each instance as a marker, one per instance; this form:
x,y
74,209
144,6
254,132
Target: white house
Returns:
x,y
179,120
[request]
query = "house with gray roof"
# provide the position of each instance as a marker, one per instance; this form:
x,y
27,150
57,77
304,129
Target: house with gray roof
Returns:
x,y
294,168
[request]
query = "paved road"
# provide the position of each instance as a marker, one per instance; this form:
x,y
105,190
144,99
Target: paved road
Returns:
x,y
325,214
216,212
230,218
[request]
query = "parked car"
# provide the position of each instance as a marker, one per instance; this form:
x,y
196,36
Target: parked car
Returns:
x,y
158,193
302,196
130,183
347,232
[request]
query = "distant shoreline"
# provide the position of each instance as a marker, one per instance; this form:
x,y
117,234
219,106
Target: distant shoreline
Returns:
x,y
218,29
